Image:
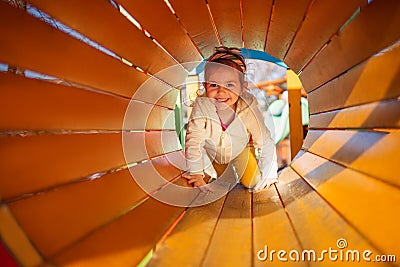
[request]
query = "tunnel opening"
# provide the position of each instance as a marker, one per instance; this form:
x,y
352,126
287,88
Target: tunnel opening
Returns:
x,y
267,80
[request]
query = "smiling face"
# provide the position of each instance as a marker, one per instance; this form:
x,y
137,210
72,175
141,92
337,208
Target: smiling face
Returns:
x,y
223,86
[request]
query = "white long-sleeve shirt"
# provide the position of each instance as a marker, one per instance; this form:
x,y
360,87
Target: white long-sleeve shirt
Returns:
x,y
205,137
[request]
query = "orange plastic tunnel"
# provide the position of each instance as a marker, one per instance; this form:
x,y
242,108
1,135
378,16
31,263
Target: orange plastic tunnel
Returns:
x,y
71,155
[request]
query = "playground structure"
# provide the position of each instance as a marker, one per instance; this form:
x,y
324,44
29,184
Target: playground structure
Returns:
x,y
67,193
279,110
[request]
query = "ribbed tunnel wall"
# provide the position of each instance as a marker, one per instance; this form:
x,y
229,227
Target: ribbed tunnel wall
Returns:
x,y
67,195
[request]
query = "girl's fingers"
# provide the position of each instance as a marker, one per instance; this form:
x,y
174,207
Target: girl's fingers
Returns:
x,y
191,181
272,181
198,182
265,184
185,175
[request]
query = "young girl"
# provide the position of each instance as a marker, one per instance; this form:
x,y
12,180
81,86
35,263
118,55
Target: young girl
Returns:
x,y
227,127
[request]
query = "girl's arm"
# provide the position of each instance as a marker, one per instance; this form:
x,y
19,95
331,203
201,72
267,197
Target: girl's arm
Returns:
x,y
194,141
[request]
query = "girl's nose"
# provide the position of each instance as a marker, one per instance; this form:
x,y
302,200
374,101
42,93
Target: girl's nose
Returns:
x,y
221,89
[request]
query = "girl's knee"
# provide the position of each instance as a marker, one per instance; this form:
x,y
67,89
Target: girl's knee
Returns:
x,y
250,182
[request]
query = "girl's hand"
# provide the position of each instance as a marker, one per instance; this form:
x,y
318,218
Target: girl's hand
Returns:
x,y
197,181
194,179
265,184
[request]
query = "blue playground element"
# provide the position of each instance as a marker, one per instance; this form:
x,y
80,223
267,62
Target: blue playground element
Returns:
x,y
250,54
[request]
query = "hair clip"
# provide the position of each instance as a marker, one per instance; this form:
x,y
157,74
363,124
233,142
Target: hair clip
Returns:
x,y
230,53
233,50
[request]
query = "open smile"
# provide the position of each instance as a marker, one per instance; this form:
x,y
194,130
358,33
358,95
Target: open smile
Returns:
x,y
222,100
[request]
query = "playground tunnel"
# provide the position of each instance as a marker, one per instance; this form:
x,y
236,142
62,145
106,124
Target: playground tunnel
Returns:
x,y
70,158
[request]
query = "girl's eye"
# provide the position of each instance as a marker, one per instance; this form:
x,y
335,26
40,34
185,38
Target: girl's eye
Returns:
x,y
230,85
213,85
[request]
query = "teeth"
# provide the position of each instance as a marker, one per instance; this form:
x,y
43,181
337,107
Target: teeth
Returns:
x,y
222,99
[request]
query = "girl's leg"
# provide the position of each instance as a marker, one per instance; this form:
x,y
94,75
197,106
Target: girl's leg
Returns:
x,y
219,168
247,168
225,173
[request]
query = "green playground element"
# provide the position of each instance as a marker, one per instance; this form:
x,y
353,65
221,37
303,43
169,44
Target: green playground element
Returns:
x,y
279,111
